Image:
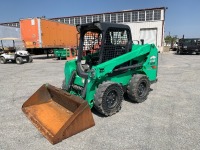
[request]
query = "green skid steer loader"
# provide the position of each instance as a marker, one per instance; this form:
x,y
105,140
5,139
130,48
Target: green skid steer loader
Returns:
x,y
108,65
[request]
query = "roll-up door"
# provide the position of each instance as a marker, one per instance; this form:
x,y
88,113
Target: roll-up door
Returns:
x,y
149,35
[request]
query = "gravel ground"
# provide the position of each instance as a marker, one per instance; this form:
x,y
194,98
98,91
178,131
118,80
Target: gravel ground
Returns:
x,y
168,119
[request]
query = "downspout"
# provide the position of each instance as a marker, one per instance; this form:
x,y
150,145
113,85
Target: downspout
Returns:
x,y
163,23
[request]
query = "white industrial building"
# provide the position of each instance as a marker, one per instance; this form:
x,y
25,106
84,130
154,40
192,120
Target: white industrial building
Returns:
x,y
147,24
9,32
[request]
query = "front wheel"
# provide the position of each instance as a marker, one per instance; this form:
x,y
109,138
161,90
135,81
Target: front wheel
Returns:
x,y
2,60
138,88
108,98
19,60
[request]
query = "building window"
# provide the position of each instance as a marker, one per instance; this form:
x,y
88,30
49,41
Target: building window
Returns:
x,y
66,20
141,15
135,16
77,20
96,18
120,17
71,20
83,20
157,14
89,19
149,15
101,18
113,18
107,17
127,17
61,20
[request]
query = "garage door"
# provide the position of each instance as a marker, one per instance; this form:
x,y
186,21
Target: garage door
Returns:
x,y
149,35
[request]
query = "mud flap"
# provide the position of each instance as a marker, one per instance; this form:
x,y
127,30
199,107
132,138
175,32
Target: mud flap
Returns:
x,y
57,114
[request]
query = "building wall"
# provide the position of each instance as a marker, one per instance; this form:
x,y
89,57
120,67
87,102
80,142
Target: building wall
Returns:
x,y
136,27
143,23
9,32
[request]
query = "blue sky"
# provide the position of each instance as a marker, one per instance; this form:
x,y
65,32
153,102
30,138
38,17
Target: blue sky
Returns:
x,y
182,16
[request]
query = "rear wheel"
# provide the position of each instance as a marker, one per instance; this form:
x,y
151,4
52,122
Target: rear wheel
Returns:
x,y
138,88
30,59
19,60
2,60
108,98
50,51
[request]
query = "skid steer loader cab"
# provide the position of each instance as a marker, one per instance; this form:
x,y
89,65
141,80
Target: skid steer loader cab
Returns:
x,y
101,42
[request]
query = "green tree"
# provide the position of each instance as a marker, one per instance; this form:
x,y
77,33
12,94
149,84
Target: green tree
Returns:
x,y
170,40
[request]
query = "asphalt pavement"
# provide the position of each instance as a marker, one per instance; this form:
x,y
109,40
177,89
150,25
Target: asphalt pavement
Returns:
x,y
168,119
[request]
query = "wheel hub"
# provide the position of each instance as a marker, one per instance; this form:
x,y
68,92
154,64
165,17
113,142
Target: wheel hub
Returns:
x,y
111,99
141,89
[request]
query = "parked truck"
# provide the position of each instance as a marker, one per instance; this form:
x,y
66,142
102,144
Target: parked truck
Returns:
x,y
42,35
188,46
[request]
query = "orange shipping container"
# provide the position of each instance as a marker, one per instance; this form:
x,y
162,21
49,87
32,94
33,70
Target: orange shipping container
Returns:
x,y
43,33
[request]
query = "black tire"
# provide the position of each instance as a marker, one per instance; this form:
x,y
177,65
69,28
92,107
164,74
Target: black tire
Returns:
x,y
179,52
108,98
2,60
64,86
30,59
50,51
138,88
19,60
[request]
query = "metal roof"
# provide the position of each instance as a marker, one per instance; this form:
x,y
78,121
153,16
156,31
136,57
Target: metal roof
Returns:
x,y
130,10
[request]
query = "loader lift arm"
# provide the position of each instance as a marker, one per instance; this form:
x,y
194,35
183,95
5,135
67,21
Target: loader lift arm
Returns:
x,y
146,51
